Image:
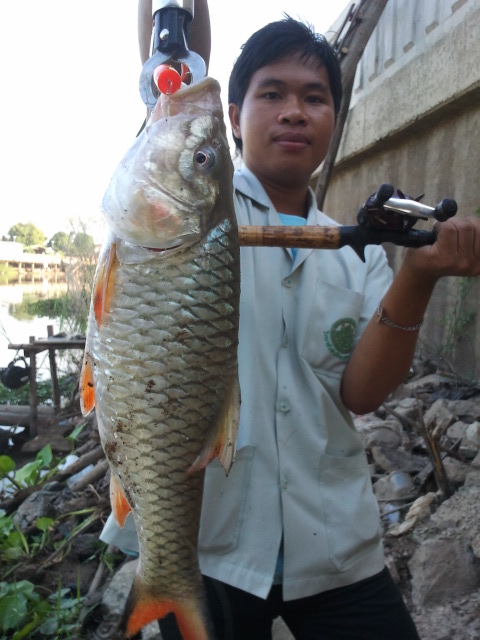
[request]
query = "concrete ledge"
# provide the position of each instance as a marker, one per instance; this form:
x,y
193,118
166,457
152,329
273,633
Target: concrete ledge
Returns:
x,y
440,76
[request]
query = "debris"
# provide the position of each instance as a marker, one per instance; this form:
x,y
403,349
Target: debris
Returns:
x,y
432,542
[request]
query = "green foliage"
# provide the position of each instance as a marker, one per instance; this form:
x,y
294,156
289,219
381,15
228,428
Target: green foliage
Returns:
x,y
17,397
61,243
45,307
12,541
33,611
83,245
26,233
24,613
70,308
76,432
7,465
31,473
15,545
77,243
18,601
31,307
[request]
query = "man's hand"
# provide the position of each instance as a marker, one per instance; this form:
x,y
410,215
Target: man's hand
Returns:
x,y
456,251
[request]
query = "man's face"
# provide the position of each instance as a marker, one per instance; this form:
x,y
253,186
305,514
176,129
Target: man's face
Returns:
x,y
286,121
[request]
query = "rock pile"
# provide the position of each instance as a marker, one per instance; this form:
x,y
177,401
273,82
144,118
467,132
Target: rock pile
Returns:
x,y
424,451
424,446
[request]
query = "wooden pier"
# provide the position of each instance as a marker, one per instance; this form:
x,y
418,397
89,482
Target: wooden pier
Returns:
x,y
30,350
34,266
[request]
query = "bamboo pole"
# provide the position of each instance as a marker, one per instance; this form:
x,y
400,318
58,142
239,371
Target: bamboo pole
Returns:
x,y
301,237
331,237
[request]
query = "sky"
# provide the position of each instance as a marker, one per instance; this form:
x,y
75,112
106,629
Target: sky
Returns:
x,y
70,104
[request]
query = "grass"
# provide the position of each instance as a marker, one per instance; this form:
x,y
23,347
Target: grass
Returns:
x,y
18,397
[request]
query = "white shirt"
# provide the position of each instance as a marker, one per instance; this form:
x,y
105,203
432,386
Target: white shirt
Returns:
x,y
300,470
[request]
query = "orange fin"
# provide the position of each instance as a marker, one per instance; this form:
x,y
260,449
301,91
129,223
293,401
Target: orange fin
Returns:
x,y
104,281
144,607
120,506
101,300
222,440
87,388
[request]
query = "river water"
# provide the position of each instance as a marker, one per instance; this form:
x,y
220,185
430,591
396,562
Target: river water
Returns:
x,y
16,326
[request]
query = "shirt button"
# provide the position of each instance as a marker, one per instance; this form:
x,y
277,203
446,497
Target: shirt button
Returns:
x,y
284,406
287,282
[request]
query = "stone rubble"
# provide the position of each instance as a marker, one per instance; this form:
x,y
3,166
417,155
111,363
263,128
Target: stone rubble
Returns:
x,y
431,533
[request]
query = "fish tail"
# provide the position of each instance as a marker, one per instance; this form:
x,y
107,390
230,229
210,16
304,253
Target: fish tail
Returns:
x,y
144,607
190,620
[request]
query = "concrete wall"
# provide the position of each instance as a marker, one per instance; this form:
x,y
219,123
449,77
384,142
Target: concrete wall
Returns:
x,y
414,121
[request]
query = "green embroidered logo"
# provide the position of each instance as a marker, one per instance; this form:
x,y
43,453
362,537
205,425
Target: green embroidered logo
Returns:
x,y
339,339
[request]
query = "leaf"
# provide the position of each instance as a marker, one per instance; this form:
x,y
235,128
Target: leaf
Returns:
x,y
44,523
12,546
13,609
45,456
49,627
12,553
29,474
76,432
7,465
60,594
6,525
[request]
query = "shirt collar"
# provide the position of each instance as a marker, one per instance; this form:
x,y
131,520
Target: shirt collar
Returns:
x,y
247,183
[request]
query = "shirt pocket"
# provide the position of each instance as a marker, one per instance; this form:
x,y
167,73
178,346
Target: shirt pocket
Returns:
x,y
350,509
329,331
223,505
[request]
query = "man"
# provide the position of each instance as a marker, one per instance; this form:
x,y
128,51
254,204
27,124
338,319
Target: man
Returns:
x,y
293,531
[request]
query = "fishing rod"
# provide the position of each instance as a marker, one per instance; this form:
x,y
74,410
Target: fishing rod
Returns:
x,y
386,216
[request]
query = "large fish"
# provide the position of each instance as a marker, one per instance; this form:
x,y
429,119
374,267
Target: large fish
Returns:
x,y
160,361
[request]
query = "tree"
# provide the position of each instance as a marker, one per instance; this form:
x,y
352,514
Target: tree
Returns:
x,y
26,233
62,242
75,243
83,245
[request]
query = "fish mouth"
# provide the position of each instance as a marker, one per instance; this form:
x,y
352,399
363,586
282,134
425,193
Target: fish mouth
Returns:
x,y
164,249
201,95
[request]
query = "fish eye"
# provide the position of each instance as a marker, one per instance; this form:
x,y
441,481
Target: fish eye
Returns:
x,y
205,158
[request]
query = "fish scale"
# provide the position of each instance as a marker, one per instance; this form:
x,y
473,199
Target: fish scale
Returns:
x,y
161,467
160,364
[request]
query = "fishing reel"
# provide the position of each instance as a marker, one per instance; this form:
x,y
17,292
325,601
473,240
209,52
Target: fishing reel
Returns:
x,y
390,209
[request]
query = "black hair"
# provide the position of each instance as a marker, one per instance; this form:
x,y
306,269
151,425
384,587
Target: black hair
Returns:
x,y
277,40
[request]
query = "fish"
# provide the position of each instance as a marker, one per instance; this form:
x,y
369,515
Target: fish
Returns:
x,y
160,362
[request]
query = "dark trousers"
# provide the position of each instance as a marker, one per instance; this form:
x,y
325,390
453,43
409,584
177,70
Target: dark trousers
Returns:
x,y
372,609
